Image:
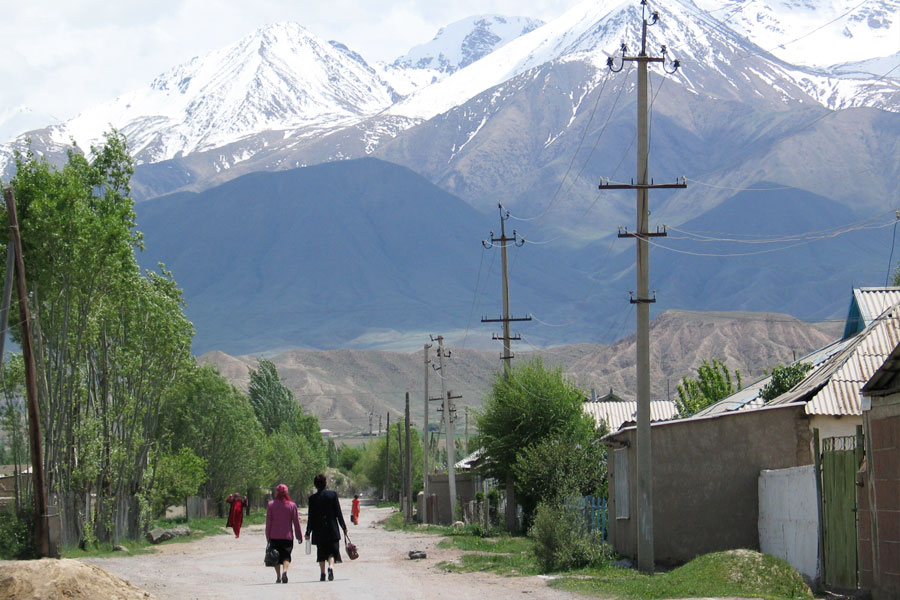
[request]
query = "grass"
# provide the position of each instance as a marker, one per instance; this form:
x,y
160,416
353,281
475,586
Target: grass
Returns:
x,y
199,528
737,573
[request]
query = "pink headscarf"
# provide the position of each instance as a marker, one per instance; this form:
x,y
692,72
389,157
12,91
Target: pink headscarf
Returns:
x,y
281,493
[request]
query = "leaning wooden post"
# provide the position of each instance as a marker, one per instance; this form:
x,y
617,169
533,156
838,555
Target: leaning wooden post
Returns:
x,y
41,526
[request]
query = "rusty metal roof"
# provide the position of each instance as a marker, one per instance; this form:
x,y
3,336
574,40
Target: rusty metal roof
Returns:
x,y
614,414
834,388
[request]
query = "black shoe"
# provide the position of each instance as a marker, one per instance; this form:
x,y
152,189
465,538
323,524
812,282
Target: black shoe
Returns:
x,y
330,575
278,579
284,578
322,577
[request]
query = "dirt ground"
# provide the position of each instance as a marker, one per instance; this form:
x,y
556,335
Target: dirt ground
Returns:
x,y
226,567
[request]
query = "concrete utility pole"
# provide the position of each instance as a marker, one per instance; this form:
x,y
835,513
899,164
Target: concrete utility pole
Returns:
x,y
39,483
507,338
425,434
448,419
643,300
402,491
512,517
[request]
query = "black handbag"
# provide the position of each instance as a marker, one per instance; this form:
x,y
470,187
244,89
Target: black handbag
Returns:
x,y
272,556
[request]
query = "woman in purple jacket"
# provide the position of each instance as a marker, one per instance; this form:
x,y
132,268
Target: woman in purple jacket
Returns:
x,y
281,519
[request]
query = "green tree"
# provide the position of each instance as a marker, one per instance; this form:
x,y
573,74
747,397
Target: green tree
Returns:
x,y
178,476
348,456
271,400
558,468
713,383
530,406
13,423
109,340
371,465
784,377
214,419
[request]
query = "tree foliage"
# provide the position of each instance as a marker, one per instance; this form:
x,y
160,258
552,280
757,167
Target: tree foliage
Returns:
x,y
557,468
713,383
208,415
783,378
109,340
178,476
531,420
271,400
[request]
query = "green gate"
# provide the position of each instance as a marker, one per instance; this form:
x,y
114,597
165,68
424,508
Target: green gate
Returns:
x,y
840,461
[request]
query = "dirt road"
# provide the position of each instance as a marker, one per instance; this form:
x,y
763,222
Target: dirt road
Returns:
x,y
225,567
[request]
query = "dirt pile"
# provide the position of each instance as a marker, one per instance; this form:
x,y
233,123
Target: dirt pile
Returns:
x,y
49,579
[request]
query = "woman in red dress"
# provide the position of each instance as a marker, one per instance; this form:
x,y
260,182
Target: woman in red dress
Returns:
x,y
236,512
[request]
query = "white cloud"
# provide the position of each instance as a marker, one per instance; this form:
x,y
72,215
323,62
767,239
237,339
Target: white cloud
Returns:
x,y
60,57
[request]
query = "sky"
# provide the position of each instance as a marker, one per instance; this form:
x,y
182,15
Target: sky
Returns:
x,y
58,57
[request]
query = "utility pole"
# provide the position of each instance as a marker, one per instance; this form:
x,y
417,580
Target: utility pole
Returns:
x,y
379,424
407,481
643,300
400,471
506,319
39,483
425,434
467,429
371,418
512,517
448,418
451,450
387,458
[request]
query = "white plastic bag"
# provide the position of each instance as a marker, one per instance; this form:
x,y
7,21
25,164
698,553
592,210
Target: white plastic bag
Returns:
x,y
308,545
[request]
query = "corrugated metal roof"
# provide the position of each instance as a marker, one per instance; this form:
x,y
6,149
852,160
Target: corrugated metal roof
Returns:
x,y
748,398
614,414
834,388
873,301
886,379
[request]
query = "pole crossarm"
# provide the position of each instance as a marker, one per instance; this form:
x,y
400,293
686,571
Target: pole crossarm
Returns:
x,y
507,320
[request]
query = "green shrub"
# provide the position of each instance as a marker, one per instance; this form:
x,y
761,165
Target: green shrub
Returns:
x,y
17,535
562,540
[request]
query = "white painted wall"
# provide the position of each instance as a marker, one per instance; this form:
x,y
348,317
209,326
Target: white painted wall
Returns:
x,y
789,518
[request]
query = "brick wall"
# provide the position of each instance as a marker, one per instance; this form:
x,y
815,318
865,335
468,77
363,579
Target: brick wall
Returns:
x,y
882,481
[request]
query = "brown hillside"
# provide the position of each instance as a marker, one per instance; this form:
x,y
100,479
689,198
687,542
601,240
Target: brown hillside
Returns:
x,y
343,386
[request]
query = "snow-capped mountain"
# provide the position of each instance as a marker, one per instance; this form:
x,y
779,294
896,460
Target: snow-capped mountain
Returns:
x,y
814,33
592,31
282,97
462,43
279,78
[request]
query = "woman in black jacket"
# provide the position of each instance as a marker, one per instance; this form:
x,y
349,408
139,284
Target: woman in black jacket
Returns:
x,y
323,520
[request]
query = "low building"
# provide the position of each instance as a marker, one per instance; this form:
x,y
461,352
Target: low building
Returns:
x,y
612,411
879,492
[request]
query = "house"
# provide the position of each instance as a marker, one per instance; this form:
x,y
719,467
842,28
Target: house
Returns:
x,y
707,468
612,411
879,491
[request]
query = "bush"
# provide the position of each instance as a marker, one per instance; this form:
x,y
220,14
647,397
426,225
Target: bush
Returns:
x,y
17,535
562,540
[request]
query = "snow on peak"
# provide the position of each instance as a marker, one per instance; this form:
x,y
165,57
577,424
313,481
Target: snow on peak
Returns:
x,y
817,33
279,77
466,41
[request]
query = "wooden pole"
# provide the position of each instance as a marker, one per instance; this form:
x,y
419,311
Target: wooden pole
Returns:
x,y
41,529
387,458
407,482
400,471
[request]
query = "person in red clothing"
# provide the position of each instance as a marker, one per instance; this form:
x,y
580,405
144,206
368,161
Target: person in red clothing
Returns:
x,y
236,512
354,510
282,526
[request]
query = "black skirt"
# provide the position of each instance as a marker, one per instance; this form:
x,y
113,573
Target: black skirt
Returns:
x,y
284,548
326,551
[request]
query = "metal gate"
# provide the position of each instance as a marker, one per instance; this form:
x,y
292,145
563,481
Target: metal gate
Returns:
x,y
839,463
